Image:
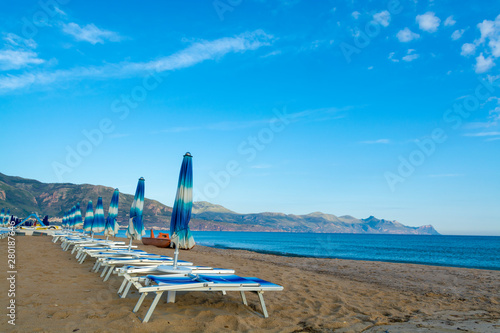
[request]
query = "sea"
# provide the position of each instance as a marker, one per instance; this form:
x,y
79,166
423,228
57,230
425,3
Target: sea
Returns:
x,y
482,252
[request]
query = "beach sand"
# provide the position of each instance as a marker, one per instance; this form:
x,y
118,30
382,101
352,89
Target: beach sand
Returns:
x,y
56,294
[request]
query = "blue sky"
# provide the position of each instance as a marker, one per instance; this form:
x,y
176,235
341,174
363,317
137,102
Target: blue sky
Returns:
x,y
362,108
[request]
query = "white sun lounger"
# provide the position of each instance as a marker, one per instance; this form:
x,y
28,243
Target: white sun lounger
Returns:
x,y
203,282
137,275
110,263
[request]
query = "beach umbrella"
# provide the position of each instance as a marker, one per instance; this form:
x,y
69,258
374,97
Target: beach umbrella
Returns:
x,y
6,220
135,228
111,224
2,216
63,221
72,218
78,217
66,219
181,213
89,218
98,225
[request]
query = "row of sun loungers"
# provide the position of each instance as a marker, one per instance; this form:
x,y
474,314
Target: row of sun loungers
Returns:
x,y
156,274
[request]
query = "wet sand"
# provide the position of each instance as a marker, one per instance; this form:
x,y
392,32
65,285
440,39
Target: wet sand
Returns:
x,y
56,294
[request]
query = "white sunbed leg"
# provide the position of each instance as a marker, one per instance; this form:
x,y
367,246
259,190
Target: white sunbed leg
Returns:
x,y
111,269
74,249
224,293
243,298
82,259
262,303
152,307
122,286
104,270
127,289
171,297
96,266
139,302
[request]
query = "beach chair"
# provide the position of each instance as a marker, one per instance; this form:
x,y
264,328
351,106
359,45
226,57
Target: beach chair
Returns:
x,y
203,282
110,263
137,275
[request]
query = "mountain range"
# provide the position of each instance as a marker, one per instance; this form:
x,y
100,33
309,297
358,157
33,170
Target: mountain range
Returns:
x,y
24,196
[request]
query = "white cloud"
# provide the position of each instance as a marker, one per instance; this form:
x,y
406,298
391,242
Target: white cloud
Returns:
x,y
483,64
16,59
370,68
379,141
17,41
391,57
190,56
481,134
428,22
468,49
446,175
449,21
487,29
488,44
410,56
90,33
383,18
457,34
406,35
356,14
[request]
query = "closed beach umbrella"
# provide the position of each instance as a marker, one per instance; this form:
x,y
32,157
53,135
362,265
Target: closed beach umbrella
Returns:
x,y
2,216
72,217
89,218
6,220
98,225
111,223
63,222
78,217
181,213
135,228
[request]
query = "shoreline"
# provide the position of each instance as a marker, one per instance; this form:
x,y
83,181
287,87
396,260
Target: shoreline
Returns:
x,y
55,293
285,254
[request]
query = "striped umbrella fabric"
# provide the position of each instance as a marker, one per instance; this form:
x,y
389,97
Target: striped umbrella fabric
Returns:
x,y
2,216
63,222
78,217
111,222
135,228
72,218
181,213
89,217
98,225
6,220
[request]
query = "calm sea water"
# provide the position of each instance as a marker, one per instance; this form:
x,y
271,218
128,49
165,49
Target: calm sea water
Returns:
x,y
457,251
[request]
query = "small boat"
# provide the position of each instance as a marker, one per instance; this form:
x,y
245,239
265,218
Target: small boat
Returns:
x,y
163,240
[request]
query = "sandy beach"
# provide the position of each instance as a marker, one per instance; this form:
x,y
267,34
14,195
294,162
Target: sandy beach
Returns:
x,y
56,294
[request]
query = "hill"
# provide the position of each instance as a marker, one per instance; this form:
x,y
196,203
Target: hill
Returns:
x,y
24,196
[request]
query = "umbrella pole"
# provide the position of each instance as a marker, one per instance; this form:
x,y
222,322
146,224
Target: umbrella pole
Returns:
x,y
176,255
130,244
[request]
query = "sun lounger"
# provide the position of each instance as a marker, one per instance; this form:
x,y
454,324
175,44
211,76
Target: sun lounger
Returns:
x,y
203,282
137,275
110,264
